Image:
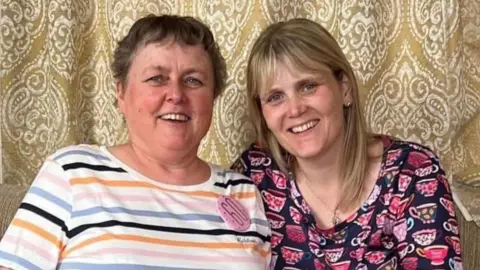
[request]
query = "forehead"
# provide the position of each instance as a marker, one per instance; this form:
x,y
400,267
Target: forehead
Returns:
x,y
172,55
285,70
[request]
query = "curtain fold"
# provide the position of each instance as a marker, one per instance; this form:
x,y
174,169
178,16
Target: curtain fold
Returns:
x,y
417,63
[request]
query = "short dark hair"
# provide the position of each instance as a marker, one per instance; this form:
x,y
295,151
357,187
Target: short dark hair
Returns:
x,y
156,29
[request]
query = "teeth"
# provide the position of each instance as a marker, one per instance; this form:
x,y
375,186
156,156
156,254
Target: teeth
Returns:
x,y
304,127
174,116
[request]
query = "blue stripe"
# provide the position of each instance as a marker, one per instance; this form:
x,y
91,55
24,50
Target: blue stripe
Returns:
x,y
81,152
145,213
18,260
50,197
91,266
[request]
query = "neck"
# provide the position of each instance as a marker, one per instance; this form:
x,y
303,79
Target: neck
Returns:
x,y
325,170
171,167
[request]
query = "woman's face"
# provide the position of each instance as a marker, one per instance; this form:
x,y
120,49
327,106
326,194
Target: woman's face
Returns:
x,y
304,111
168,97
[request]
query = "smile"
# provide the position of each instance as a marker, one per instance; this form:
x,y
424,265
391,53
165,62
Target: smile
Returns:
x,y
304,127
175,117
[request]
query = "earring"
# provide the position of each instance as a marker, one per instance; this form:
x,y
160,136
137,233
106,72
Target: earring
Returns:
x,y
346,105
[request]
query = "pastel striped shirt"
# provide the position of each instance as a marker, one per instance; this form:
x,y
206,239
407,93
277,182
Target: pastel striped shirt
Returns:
x,y
88,210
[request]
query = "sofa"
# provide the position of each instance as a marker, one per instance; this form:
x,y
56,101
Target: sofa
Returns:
x,y
12,195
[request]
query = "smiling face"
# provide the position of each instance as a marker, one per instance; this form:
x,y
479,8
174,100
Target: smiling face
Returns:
x,y
168,98
304,110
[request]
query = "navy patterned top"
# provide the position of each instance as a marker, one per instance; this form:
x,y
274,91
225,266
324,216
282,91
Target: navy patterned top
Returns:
x,y
408,221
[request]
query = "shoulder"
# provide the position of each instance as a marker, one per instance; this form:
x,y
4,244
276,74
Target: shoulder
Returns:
x,y
228,178
254,157
407,153
76,152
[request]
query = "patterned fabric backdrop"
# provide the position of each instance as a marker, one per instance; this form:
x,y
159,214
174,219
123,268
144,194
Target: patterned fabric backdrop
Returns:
x,y
417,61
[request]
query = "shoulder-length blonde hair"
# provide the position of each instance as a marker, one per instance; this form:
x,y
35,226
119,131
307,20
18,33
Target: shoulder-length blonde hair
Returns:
x,y
308,45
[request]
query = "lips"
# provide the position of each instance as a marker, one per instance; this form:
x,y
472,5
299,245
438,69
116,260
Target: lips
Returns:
x,y
303,127
179,117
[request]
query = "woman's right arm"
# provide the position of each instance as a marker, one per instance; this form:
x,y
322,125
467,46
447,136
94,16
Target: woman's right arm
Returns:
x,y
38,232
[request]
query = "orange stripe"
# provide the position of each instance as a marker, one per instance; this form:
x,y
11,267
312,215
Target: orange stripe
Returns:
x,y
38,231
130,237
120,183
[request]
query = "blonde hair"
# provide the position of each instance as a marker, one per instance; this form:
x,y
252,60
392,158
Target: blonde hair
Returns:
x,y
308,45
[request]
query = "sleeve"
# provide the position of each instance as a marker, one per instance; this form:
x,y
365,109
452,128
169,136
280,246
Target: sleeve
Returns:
x,y
432,237
37,234
257,166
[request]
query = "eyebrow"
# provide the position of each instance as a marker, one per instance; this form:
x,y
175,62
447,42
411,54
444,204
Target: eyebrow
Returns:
x,y
167,70
299,83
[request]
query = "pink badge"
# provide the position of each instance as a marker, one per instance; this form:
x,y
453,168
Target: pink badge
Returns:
x,y
233,213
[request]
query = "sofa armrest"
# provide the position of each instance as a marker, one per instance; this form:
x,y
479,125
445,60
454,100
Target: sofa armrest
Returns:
x,y
10,198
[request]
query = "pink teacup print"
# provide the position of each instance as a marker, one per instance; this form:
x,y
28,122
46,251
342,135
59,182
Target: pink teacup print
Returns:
x,y
455,263
278,177
401,227
276,238
427,187
410,263
296,234
454,242
425,237
274,199
334,254
389,265
358,253
436,254
404,182
291,255
448,204
426,212
375,257
276,221
345,265
451,225
258,158
404,249
257,176
295,215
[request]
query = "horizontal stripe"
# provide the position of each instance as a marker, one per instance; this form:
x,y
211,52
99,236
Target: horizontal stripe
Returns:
x,y
137,238
145,213
75,231
35,249
51,198
235,183
82,153
184,256
38,231
101,168
187,202
132,184
56,180
92,266
21,261
44,214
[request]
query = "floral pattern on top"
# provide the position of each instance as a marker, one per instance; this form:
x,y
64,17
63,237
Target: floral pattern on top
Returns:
x,y
408,221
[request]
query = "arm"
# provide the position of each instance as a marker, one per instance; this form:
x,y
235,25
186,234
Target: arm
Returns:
x,y
432,237
37,233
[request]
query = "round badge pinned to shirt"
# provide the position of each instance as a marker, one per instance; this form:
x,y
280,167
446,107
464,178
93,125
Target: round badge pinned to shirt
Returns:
x,y
233,213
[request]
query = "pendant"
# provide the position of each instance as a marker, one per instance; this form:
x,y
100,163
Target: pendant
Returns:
x,y
335,220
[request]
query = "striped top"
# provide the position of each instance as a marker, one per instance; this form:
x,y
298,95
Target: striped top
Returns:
x,y
88,210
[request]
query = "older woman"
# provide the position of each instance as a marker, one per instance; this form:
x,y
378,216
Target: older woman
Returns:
x,y
336,196
150,203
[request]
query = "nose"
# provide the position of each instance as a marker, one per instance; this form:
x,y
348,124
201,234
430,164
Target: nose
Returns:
x,y
175,93
296,106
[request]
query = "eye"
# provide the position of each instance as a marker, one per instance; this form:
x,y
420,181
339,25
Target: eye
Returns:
x,y
193,82
275,98
309,88
158,79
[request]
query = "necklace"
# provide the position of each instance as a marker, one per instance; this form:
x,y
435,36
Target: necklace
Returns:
x,y
335,218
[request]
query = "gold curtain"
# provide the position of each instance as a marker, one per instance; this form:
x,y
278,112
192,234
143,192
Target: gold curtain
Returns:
x,y
417,62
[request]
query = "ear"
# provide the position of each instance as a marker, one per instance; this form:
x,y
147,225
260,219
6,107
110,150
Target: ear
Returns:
x,y
346,88
120,89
